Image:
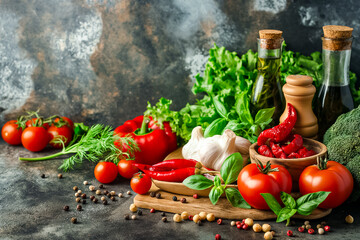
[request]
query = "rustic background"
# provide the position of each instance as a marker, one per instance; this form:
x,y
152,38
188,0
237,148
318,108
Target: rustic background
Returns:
x,y
100,61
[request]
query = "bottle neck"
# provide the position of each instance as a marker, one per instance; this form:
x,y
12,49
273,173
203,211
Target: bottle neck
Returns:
x,y
269,48
336,67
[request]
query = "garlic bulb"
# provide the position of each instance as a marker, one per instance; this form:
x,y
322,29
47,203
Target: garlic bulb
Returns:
x,y
212,151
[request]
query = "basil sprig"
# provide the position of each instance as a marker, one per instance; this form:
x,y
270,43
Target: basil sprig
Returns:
x,y
229,172
304,205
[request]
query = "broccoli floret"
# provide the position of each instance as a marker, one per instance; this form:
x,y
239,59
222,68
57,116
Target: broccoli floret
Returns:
x,y
346,124
354,168
344,148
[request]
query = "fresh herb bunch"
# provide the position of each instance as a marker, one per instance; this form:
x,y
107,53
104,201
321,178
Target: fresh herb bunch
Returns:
x,y
229,172
95,143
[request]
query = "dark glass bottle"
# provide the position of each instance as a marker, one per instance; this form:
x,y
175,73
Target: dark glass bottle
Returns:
x,y
334,96
266,92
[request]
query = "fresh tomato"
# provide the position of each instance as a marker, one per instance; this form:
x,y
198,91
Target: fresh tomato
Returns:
x,y
64,132
66,119
11,132
35,138
255,179
127,169
140,183
105,172
328,176
36,121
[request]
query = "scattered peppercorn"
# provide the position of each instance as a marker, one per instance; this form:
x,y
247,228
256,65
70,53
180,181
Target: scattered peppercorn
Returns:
x,y
152,194
196,218
237,222
83,201
319,226
196,196
311,231
199,223
133,217
85,182
306,223
66,208
273,233
74,220
239,226
112,193
257,227
217,237
120,195
42,176
98,192
268,236
103,198
191,217
289,233
77,199
308,226
83,196
183,200
243,220
184,215
349,219
105,192
139,212
105,202
60,175
95,200
202,215
266,227
133,208
219,221
92,188
249,222
211,217
79,207
327,228
164,219
245,226
174,198
321,231
77,194
75,188
92,197
177,218
108,195
126,217
163,214
152,210
112,198
101,186
128,192
79,191
232,223
301,229
158,195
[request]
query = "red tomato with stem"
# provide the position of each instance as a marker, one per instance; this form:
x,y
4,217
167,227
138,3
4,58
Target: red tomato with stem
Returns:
x,y
38,122
66,119
105,172
35,139
255,179
11,132
126,168
140,183
64,132
329,176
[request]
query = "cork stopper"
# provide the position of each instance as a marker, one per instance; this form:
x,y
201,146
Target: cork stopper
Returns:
x,y
270,39
337,38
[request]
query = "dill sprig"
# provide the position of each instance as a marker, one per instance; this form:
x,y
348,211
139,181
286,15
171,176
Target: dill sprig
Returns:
x,y
95,145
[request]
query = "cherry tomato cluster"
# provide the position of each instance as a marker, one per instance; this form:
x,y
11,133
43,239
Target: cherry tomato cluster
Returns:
x,y
35,133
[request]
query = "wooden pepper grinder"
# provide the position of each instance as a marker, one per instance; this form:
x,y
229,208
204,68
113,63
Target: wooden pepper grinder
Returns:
x,y
300,92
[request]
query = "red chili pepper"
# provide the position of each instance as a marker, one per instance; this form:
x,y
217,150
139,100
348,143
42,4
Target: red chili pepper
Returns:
x,y
277,150
177,175
281,131
304,152
154,143
265,151
295,144
170,165
294,155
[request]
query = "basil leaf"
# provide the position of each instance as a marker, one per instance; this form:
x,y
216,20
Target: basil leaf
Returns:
x,y
216,127
234,126
288,200
215,194
285,214
307,203
271,202
234,197
198,182
217,181
264,115
242,108
231,167
220,107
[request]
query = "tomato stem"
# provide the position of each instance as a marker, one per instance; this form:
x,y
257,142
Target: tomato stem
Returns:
x,y
321,163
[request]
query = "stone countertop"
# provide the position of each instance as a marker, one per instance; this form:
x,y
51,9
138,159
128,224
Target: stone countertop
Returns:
x,y
31,207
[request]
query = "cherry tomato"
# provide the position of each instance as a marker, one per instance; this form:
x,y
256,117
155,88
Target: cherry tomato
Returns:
x,y
68,120
64,132
35,138
251,182
140,183
334,178
11,132
127,169
32,122
105,172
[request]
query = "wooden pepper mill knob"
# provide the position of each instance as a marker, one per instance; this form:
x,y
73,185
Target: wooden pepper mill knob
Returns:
x,y
300,92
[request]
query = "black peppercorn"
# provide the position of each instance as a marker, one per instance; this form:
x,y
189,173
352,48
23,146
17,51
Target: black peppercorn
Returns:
x,y
92,197
199,223
84,201
164,219
75,188
101,186
79,207
152,194
112,198
74,220
108,195
95,200
106,192
83,196
139,212
158,195
126,216
183,200
163,214
174,198
42,176
60,175
66,208
105,202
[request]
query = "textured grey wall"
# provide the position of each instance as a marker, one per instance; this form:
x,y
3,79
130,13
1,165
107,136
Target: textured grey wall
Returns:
x,y
100,61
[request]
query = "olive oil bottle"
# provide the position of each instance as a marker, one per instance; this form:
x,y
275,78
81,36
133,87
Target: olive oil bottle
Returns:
x,y
334,96
266,91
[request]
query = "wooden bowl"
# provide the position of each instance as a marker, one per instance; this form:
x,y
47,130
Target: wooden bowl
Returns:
x,y
294,166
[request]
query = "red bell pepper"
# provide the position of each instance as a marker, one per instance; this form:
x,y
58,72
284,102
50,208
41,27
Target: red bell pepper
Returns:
x,y
154,143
